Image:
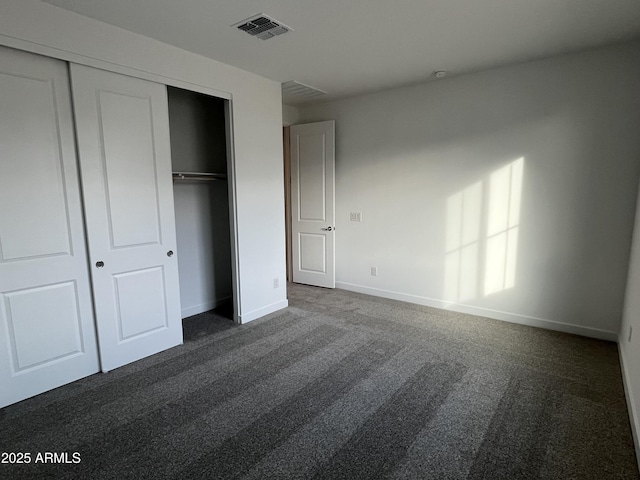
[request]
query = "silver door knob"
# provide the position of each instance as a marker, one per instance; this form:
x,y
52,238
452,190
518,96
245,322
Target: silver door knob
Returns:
x,y
100,264
328,229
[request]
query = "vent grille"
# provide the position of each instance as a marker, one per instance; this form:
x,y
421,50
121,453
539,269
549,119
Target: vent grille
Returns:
x,y
301,90
262,26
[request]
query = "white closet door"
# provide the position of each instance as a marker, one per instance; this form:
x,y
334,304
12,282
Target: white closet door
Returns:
x,y
47,335
123,142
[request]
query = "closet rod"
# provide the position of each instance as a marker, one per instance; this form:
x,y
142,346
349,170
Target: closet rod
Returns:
x,y
198,176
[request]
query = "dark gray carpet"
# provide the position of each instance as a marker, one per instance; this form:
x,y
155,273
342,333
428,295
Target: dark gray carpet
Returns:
x,y
340,386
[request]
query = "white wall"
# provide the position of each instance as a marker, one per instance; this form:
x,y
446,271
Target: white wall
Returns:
x,y
630,347
428,166
290,115
257,126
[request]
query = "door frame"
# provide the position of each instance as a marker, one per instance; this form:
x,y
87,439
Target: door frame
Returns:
x,y
286,148
233,210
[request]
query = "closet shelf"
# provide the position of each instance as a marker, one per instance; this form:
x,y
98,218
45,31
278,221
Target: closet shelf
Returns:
x,y
198,176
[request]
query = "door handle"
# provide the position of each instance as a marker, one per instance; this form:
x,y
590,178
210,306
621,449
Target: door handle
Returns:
x,y
99,264
170,253
328,229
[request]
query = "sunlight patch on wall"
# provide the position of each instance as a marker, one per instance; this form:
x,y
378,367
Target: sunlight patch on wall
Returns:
x,y
481,246
505,192
464,214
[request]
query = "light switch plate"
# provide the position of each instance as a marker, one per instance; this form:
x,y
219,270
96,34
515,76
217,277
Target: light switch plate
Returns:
x,y
355,216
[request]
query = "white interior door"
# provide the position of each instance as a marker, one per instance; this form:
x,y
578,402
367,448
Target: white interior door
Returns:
x,y
125,161
47,334
313,203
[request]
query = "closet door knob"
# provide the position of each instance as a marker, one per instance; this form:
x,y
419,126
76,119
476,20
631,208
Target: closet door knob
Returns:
x,y
170,253
100,264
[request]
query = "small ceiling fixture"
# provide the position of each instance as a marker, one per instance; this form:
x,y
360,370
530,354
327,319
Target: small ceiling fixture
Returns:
x,y
440,73
262,26
300,89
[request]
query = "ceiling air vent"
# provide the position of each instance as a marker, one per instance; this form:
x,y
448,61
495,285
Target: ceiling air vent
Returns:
x,y
301,90
262,26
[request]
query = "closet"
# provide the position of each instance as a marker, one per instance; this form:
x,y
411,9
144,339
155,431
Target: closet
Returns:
x,y
89,259
201,197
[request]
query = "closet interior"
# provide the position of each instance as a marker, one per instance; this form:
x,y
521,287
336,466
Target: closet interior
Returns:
x,y
198,135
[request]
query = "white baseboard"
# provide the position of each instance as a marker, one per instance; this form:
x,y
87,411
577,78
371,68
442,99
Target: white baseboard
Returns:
x,y
483,312
633,415
261,312
203,307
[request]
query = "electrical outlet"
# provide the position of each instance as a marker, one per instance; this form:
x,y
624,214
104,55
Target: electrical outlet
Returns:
x,y
355,216
276,283
374,271
630,333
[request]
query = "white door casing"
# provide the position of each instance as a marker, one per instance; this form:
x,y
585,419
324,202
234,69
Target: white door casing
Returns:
x,y
313,203
123,143
47,334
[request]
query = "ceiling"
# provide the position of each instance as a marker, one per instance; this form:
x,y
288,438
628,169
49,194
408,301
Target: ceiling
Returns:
x,y
350,47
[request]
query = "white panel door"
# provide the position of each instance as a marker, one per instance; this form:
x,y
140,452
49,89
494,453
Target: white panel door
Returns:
x,y
47,334
123,143
313,203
